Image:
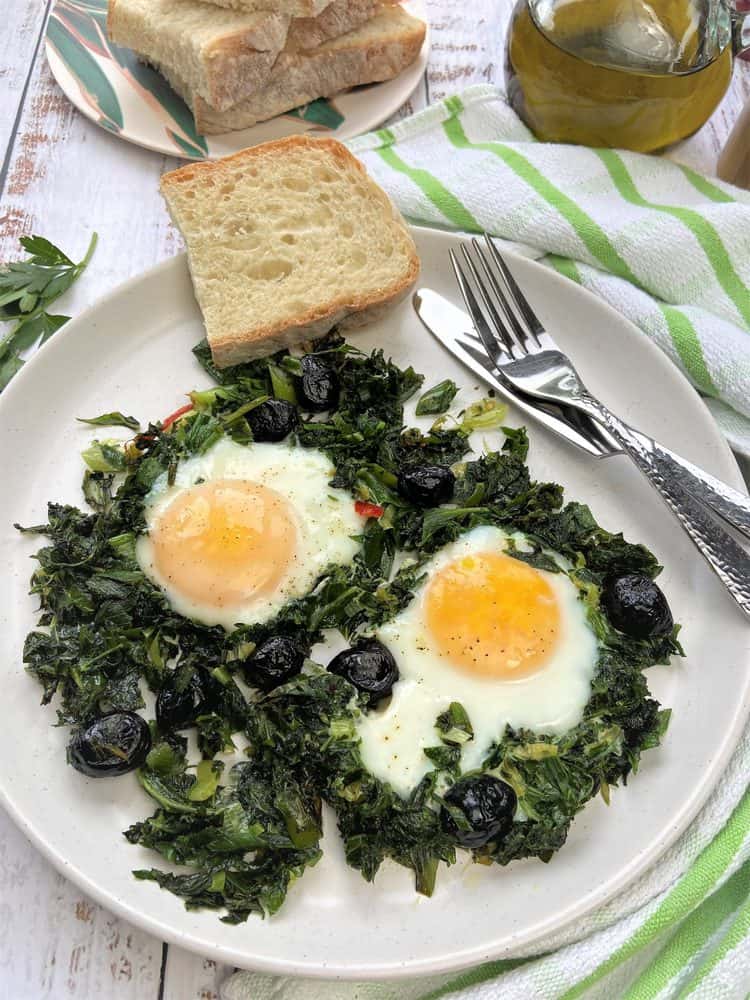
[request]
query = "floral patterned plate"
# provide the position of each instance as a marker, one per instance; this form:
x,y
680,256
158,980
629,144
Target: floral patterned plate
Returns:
x,y
112,88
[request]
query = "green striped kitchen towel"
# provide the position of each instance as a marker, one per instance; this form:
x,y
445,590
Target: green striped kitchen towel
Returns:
x,y
671,251
666,247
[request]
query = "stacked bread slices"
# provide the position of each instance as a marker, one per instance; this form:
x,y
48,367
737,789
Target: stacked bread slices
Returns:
x,y
238,62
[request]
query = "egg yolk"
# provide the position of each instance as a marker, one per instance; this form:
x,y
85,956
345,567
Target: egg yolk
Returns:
x,y
493,616
225,542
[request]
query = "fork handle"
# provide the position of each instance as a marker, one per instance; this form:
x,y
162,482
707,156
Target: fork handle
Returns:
x,y
728,560
725,501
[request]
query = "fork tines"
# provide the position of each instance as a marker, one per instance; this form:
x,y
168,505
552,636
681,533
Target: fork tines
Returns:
x,y
504,316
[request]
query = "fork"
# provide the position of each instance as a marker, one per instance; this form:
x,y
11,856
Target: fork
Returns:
x,y
527,357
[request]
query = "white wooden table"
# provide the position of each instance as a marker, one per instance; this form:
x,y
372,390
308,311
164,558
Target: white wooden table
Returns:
x,y
61,176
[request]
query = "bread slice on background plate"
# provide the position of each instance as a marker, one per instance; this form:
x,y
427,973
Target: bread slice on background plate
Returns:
x,y
379,50
338,18
286,240
223,55
294,8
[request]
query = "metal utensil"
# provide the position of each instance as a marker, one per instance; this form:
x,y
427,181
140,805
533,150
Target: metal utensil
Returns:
x,y
453,328
527,357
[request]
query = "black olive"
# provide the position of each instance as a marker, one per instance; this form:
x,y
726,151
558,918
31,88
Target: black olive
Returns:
x,y
487,803
272,420
369,666
112,744
426,485
273,662
636,606
318,387
175,709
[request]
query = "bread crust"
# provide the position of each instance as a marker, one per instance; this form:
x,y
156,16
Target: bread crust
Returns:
x,y
243,345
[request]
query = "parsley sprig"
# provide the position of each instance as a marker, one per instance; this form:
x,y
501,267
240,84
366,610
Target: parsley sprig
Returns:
x,y
27,290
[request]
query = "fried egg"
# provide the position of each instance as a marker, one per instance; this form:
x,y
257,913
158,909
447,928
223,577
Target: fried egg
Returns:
x,y
510,642
245,529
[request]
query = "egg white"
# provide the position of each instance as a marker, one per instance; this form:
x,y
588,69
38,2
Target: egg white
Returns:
x,y
549,701
326,521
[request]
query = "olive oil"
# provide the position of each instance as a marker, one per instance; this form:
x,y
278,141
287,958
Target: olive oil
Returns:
x,y
616,72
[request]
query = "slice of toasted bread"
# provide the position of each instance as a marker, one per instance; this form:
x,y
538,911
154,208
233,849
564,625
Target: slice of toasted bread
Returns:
x,y
222,55
338,18
378,50
294,8
286,240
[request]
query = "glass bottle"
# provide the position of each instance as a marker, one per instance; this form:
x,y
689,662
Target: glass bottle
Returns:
x,y
627,73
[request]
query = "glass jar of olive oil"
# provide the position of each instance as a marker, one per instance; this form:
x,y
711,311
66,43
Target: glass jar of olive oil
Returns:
x,y
627,73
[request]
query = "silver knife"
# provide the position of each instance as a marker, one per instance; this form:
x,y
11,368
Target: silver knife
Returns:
x,y
453,328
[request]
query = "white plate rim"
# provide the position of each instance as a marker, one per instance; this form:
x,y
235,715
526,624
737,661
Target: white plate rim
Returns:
x,y
419,967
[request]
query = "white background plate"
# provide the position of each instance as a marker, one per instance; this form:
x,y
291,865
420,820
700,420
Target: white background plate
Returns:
x,y
132,352
108,85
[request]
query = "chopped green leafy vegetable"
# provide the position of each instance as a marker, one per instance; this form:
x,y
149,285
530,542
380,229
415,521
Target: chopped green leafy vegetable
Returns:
x,y
486,415
27,290
438,398
454,726
115,419
105,456
241,834
281,383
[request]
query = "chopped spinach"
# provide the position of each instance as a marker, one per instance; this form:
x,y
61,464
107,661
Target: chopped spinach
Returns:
x,y
244,833
438,398
115,419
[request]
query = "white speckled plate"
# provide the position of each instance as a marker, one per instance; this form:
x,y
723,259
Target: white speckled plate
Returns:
x,y
111,87
132,352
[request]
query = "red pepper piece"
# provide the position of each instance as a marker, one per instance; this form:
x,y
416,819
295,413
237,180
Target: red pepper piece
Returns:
x,y
168,421
365,509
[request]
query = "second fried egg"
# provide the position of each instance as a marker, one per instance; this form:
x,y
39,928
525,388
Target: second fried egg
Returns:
x,y
510,642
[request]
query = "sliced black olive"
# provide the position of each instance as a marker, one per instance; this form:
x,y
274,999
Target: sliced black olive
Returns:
x,y
488,804
318,387
426,485
273,420
636,606
369,666
175,709
112,744
273,662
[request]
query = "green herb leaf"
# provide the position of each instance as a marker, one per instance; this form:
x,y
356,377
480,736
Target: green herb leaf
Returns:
x,y
114,419
454,726
9,367
27,290
445,758
292,365
281,383
516,442
104,456
207,777
44,252
438,398
438,517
